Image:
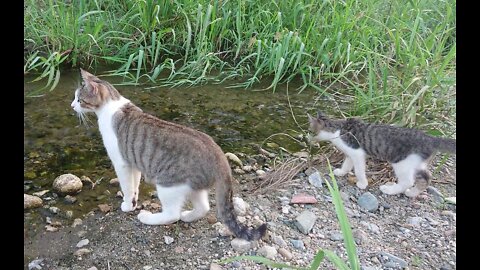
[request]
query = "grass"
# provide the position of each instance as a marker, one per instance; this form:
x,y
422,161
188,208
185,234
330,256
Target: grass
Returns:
x,y
395,59
349,242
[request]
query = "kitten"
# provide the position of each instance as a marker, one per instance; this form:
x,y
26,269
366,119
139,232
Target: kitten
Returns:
x,y
407,150
182,162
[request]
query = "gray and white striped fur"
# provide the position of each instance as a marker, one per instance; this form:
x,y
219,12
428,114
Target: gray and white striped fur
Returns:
x,y
182,162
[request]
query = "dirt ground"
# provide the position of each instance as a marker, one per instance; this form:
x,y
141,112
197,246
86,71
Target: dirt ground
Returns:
x,y
420,232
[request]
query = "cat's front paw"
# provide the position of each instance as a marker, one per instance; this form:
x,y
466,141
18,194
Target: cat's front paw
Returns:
x,y
362,185
127,206
338,172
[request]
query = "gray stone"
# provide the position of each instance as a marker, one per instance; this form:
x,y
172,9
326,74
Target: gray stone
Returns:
x,y
368,202
240,245
168,239
370,226
268,252
394,260
70,199
54,210
298,244
415,221
35,264
437,195
315,179
305,221
40,193
247,168
240,206
336,236
278,240
82,243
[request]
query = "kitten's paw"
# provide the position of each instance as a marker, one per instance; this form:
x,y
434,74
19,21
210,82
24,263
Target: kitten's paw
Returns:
x,y
412,192
144,216
188,216
127,206
362,185
388,189
339,172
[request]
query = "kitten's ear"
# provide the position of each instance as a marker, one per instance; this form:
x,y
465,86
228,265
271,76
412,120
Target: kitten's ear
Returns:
x,y
88,78
311,119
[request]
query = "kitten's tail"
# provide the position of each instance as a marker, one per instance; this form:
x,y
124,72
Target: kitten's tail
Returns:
x,y
223,194
445,145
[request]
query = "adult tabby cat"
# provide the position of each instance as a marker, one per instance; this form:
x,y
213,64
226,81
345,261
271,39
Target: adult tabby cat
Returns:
x,y
183,163
407,150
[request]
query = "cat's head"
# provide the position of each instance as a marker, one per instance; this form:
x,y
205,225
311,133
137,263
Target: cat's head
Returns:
x,y
93,93
318,123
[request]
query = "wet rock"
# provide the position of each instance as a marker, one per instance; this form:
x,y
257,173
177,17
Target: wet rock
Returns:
x,y
30,201
298,244
168,239
35,264
415,221
240,245
233,158
40,193
370,226
82,243
54,210
368,202
240,206
336,236
82,252
285,253
238,171
67,184
437,195
70,199
247,168
214,266
278,240
114,182
76,222
305,221
268,252
303,198
386,258
315,180
69,214
105,208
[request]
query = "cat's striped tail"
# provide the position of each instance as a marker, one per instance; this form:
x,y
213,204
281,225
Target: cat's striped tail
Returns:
x,y
445,145
225,211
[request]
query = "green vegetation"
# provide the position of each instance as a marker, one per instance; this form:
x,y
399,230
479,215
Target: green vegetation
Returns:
x,y
391,60
353,262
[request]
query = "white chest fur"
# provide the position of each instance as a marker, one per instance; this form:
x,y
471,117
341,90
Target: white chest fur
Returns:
x,y
105,125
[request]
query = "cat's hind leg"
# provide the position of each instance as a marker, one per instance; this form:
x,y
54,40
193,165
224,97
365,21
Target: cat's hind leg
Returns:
x,y
201,206
405,171
172,200
420,184
347,166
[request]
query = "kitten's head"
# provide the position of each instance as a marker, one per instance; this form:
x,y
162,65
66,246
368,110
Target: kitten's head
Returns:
x,y
318,123
92,94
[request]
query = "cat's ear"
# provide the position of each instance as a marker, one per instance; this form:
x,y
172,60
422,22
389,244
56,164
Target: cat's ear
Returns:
x,y
311,119
88,78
